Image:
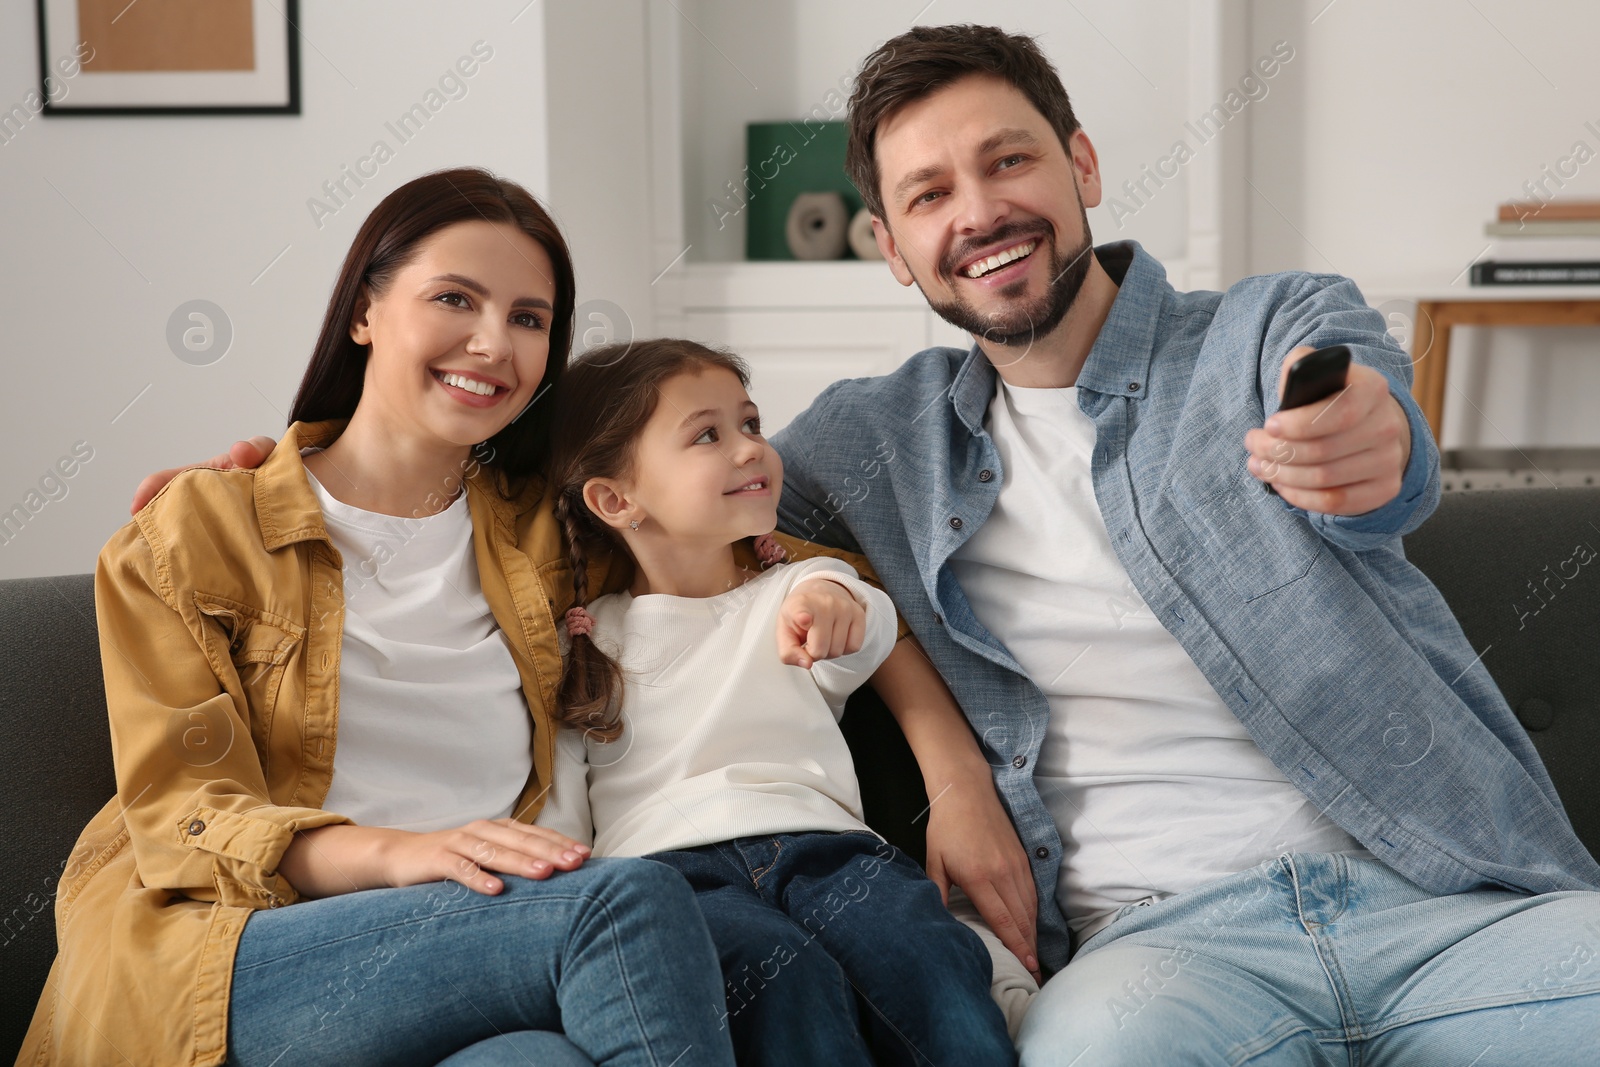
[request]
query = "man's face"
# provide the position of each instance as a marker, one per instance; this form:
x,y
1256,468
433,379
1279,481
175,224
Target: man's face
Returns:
x,y
984,210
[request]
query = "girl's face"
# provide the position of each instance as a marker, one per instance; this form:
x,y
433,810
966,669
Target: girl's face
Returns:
x,y
461,336
701,469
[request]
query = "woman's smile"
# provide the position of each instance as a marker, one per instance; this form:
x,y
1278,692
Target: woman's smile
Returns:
x,y
473,390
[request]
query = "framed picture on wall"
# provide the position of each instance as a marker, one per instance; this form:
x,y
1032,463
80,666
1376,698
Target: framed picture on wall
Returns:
x,y
169,57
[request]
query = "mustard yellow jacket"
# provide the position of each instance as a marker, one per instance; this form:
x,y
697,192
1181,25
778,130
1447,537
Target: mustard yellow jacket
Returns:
x,y
220,610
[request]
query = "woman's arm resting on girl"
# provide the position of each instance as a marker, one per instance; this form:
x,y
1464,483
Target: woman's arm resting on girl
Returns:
x,y
205,824
342,859
971,841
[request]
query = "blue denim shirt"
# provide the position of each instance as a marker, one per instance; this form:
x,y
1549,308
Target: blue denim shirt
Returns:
x,y
1339,657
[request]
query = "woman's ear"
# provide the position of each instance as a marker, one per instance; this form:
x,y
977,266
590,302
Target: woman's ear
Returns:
x,y
606,498
360,328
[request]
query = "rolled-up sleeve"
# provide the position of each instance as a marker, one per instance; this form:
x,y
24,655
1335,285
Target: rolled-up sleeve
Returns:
x,y
193,792
1329,310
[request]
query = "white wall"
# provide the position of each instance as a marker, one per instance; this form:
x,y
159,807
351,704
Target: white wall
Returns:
x,y
600,142
111,223
1409,123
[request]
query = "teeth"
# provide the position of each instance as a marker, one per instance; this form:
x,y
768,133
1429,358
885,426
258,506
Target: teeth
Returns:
x,y
469,384
1000,259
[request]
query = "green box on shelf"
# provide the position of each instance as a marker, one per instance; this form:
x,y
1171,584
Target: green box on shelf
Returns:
x,y
783,160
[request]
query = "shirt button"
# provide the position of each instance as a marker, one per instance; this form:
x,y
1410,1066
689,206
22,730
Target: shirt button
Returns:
x,y
1133,387
985,475
938,618
196,828
1020,762
1042,852
955,522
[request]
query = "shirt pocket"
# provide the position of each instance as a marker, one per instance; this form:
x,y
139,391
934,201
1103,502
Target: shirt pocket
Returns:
x,y
1242,534
261,645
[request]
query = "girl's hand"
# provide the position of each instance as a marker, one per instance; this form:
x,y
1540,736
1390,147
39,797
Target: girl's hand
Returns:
x,y
467,854
972,843
819,619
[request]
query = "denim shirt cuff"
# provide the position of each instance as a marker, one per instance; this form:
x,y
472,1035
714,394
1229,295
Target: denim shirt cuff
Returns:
x,y
1392,518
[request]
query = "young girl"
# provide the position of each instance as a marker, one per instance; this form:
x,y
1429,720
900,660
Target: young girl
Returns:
x,y
331,678
708,700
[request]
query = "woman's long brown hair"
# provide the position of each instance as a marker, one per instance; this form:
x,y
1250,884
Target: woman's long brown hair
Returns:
x,y
602,405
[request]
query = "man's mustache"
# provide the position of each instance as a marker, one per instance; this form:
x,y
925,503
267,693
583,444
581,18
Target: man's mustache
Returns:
x,y
953,261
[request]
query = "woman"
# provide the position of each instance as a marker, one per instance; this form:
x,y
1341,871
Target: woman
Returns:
x,y
328,681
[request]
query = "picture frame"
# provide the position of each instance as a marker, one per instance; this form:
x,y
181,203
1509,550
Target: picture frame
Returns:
x,y
169,57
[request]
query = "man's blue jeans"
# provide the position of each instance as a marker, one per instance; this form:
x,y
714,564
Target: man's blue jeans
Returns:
x,y
614,955
1328,959
807,923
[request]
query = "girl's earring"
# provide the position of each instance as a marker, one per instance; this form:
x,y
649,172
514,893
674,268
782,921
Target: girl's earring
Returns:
x,y
634,524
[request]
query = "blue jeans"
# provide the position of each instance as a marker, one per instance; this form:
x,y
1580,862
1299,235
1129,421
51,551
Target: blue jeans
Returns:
x,y
613,955
810,925
1317,958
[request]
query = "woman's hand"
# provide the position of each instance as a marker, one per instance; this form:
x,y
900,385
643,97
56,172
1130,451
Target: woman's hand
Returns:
x,y
820,619
971,843
342,858
469,853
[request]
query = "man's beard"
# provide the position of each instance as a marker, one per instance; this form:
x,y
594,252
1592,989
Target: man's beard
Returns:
x,y
1020,324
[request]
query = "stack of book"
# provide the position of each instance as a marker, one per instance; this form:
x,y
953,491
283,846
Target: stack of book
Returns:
x,y
1553,242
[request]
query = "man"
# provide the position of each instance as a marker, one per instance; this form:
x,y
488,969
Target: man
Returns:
x,y
1268,789
1274,806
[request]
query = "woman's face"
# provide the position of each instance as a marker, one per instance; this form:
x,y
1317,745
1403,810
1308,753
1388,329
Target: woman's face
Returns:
x,y
460,338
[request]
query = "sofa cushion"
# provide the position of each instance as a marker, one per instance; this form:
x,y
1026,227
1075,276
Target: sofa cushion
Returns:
x,y
57,770
1508,562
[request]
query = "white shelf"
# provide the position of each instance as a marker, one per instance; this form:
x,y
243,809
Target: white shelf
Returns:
x,y
785,285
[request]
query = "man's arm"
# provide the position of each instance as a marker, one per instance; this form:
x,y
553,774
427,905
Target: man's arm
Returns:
x,y
971,840
1361,465
243,455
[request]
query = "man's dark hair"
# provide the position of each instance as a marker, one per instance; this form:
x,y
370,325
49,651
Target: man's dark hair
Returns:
x,y
925,59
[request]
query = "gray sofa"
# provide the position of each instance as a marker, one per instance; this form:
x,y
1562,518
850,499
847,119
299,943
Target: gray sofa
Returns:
x,y
1504,560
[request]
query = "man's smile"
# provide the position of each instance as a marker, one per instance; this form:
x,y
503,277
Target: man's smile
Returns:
x,y
992,262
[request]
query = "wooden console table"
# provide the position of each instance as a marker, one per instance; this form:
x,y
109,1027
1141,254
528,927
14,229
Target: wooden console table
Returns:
x,y
1541,305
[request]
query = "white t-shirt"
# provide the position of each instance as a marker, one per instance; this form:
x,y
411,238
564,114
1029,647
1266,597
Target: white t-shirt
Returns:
x,y
433,728
720,738
1154,784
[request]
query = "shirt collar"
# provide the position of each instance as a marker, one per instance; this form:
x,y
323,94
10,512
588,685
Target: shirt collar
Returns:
x,y
1119,361
288,511
286,507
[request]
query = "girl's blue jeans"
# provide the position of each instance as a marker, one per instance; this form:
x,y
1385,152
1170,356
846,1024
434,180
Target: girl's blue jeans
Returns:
x,y
1316,958
608,964
835,949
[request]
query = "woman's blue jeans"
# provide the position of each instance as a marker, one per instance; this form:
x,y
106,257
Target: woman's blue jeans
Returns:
x,y
1324,959
614,956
